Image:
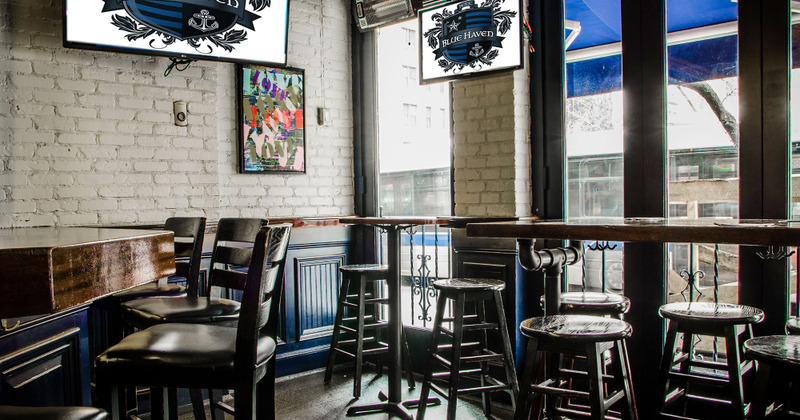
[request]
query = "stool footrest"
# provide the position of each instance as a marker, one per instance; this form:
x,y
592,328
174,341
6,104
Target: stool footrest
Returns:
x,y
709,380
488,356
571,414
547,387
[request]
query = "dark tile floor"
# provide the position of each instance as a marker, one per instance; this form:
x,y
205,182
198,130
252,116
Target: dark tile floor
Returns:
x,y
306,397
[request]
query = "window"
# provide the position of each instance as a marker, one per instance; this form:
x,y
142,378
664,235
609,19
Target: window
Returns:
x,y
410,38
410,114
428,117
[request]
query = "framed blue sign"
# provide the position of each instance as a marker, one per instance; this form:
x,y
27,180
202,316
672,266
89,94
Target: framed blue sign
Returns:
x,y
469,37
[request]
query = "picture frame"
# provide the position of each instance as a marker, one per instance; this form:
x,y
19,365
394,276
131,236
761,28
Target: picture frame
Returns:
x,y
271,119
466,38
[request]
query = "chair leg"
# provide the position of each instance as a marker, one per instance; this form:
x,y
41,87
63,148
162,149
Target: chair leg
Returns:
x,y
430,362
215,396
157,398
245,401
265,393
172,403
198,409
336,330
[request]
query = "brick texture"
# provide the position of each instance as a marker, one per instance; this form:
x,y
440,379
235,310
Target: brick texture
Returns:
x,y
87,137
492,146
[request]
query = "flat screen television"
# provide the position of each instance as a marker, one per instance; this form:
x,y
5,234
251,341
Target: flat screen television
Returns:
x,y
470,37
247,31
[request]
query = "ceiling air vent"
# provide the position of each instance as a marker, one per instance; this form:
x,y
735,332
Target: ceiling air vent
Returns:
x,y
374,13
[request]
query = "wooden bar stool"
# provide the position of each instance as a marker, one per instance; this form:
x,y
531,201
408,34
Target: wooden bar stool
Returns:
x,y
459,291
709,319
778,358
577,336
793,326
354,318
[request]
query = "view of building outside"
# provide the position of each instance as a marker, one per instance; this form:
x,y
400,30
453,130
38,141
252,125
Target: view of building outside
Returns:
x,y
413,129
414,148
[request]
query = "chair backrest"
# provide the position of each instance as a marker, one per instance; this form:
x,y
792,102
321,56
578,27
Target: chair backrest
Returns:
x,y
233,249
189,233
258,318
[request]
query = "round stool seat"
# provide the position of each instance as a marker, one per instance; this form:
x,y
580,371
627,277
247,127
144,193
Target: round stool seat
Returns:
x,y
594,303
368,272
469,284
774,349
576,328
793,326
712,313
52,413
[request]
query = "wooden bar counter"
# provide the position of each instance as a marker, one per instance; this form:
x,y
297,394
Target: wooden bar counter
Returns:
x,y
51,269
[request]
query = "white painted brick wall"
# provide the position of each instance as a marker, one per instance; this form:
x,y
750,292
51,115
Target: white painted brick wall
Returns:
x,y
492,146
87,137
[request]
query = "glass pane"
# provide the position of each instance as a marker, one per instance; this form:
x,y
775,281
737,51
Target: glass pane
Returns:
x,y
703,155
594,136
414,160
795,153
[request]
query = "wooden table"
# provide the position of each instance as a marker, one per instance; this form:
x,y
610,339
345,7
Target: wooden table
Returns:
x,y
393,226
51,269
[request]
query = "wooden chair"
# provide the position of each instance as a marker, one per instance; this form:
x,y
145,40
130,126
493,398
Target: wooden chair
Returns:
x,y
230,257
189,234
182,355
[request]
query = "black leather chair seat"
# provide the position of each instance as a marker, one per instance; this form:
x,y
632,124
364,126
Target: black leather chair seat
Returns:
x,y
177,355
52,413
150,290
143,313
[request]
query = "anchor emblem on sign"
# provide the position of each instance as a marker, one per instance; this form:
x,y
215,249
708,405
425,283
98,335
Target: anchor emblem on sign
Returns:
x,y
204,16
477,50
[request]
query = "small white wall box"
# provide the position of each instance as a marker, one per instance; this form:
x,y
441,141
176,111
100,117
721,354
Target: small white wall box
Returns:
x,y
180,114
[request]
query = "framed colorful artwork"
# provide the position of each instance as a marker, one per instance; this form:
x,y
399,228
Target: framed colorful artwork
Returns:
x,y
271,120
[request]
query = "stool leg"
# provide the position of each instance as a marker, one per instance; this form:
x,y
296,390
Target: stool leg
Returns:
x,y
594,367
431,361
530,366
759,407
407,362
336,330
624,369
508,353
198,409
734,373
359,339
667,356
483,338
455,362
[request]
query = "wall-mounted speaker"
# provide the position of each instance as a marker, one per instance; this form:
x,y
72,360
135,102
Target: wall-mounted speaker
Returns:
x,y
371,14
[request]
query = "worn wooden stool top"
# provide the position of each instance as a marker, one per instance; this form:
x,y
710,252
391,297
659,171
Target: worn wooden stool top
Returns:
x,y
780,350
712,313
583,328
594,303
469,284
793,326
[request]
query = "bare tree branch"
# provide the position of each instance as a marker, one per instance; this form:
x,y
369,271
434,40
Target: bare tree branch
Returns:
x,y
727,119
